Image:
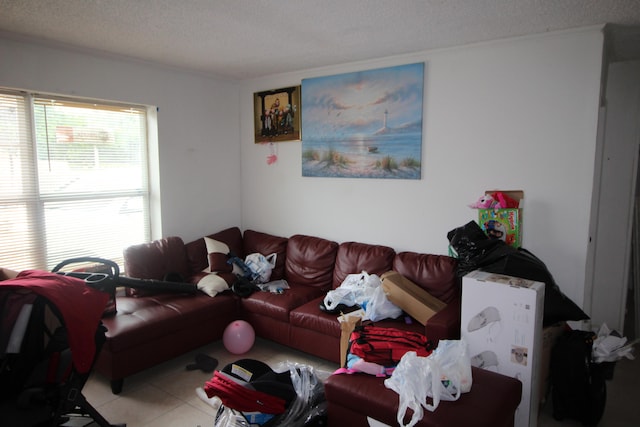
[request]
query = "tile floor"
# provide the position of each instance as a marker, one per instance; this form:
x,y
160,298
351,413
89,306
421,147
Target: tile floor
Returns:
x,y
165,396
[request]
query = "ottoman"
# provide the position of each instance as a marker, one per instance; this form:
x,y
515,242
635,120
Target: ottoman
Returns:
x,y
492,402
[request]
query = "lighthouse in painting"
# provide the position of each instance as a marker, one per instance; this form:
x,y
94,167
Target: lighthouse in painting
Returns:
x,y
384,123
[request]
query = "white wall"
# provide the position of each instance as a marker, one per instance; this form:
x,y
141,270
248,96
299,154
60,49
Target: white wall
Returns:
x,y
510,114
199,156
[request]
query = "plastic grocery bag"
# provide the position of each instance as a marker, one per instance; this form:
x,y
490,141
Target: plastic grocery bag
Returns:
x,y
444,375
339,296
413,379
378,307
310,404
261,266
354,289
609,346
455,363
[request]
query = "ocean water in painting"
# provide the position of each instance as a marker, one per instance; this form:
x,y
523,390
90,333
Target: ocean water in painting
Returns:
x,y
364,125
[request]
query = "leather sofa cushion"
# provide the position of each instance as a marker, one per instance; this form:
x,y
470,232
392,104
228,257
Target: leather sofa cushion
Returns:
x,y
141,320
309,316
278,306
434,273
492,401
267,244
197,250
355,257
310,261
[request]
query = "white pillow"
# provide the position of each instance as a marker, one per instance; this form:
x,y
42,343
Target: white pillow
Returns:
x,y
212,284
213,247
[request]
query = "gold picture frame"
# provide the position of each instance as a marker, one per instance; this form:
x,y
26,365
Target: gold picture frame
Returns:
x,y
277,115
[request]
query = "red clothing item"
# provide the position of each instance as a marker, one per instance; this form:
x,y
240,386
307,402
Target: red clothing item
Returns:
x,y
80,305
240,398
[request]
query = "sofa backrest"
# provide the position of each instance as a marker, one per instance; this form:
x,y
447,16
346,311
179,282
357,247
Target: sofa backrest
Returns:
x,y
301,259
155,259
354,257
197,250
267,244
310,261
434,273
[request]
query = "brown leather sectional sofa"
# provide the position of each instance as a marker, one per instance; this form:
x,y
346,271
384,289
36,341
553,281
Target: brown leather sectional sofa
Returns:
x,y
151,328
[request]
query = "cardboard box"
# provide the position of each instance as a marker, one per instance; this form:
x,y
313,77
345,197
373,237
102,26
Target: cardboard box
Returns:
x,y
348,323
410,297
501,320
504,224
550,335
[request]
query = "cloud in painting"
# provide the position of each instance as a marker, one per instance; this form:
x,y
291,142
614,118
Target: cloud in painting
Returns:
x,y
358,103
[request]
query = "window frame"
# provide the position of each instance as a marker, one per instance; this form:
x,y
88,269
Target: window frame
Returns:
x,y
34,200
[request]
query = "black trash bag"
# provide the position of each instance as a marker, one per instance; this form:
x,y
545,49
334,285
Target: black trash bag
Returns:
x,y
476,251
578,386
474,248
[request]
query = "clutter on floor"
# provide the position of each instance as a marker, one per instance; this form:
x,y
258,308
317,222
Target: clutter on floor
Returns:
x,y
204,363
252,393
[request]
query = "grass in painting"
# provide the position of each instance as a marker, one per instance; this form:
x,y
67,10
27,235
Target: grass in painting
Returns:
x,y
309,155
334,158
332,163
410,162
387,163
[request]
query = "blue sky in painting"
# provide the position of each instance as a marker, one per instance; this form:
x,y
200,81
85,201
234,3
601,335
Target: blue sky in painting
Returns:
x,y
354,104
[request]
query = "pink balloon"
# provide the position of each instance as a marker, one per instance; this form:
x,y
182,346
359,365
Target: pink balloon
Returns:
x,y
238,337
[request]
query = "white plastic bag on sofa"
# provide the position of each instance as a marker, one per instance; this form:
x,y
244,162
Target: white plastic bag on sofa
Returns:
x,y
413,379
378,307
455,363
261,266
354,289
444,375
368,285
339,296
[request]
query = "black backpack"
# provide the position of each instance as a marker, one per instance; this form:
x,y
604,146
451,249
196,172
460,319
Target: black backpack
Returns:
x,y
578,387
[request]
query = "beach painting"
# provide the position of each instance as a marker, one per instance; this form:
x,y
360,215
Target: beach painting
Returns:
x,y
365,124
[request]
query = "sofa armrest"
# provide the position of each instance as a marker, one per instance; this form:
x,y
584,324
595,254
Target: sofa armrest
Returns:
x,y
445,324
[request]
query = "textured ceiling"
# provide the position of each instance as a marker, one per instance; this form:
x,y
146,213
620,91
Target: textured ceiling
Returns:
x,y
243,39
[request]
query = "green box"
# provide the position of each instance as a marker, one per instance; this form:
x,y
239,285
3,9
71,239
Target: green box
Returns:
x,y
504,224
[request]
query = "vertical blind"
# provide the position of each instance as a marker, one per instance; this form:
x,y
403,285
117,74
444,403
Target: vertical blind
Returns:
x,y
73,179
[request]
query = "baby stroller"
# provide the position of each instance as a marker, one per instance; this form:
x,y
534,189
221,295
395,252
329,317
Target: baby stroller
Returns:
x,y
50,337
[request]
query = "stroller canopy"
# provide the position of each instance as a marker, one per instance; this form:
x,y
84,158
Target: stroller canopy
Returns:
x,y
81,308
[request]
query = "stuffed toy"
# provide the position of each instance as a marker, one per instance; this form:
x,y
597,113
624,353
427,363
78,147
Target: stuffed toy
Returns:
x,y
504,201
484,202
497,200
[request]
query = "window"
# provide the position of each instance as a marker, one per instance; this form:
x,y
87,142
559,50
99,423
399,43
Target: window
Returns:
x,y
73,179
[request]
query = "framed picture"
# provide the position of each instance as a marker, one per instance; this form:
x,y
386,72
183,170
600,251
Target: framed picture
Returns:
x,y
365,124
277,115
